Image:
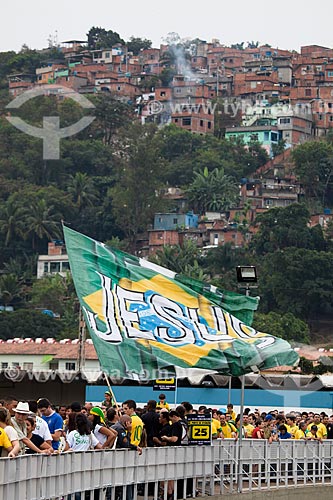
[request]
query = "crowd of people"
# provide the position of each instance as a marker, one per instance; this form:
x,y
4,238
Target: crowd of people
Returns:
x,y
28,427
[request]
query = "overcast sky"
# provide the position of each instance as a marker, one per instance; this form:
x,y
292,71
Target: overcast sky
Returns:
x,y
287,24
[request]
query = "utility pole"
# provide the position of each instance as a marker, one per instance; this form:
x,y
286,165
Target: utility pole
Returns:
x,y
82,340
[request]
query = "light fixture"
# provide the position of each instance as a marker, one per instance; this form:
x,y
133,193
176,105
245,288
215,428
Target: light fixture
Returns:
x,y
246,274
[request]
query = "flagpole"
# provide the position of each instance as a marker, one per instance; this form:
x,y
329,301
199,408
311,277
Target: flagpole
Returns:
x,y
229,390
175,392
111,391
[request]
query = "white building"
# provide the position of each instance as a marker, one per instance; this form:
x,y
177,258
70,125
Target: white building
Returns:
x,y
55,262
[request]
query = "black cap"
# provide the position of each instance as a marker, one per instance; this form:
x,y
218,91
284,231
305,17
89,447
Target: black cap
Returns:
x,y
76,407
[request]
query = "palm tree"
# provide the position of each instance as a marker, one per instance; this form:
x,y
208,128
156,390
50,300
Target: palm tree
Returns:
x,y
11,224
82,190
41,222
212,190
178,258
10,289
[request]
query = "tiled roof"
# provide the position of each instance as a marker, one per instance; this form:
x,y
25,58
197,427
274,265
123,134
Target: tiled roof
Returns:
x,y
56,349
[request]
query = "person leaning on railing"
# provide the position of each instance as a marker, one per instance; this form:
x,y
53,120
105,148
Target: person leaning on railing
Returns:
x,y
302,431
9,444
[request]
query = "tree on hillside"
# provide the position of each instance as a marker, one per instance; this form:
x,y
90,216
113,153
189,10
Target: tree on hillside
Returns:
x,y
177,257
26,323
82,190
133,196
10,289
11,223
297,280
280,228
111,114
54,293
286,326
314,168
238,46
212,191
41,221
100,38
136,44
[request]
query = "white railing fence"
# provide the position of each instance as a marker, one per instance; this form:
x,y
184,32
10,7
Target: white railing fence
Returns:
x,y
225,467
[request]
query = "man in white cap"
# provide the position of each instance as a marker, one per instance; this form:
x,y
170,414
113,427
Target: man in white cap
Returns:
x,y
21,412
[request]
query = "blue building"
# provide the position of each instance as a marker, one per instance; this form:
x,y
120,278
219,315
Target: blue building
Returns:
x,y
172,221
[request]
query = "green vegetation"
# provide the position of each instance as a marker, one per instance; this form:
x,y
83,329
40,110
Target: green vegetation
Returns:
x,y
107,184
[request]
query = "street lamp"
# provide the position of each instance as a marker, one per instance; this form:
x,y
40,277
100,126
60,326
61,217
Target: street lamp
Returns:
x,y
247,278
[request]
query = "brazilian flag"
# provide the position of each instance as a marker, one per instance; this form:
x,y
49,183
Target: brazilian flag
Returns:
x,y
147,322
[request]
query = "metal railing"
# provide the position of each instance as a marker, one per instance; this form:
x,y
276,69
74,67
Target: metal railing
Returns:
x,y
194,471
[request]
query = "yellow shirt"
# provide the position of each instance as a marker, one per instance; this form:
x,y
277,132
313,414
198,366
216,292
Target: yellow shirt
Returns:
x,y
161,405
4,440
228,429
321,432
292,429
233,415
301,434
216,427
249,428
137,427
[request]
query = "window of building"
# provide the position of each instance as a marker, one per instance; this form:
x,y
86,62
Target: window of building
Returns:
x,y
308,92
266,136
330,105
320,116
119,87
178,90
54,365
254,137
70,366
284,120
15,364
163,93
201,123
330,74
331,118
46,267
186,121
107,55
175,221
28,366
160,236
64,266
4,366
55,267
209,125
176,120
274,137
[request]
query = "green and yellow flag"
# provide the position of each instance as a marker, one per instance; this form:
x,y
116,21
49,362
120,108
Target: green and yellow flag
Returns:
x,y
147,322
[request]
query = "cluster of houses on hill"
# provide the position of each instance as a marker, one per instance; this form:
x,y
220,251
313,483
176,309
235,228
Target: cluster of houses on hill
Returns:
x,y
268,94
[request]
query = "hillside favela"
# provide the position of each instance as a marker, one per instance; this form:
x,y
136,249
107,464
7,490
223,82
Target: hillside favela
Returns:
x,y
166,269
